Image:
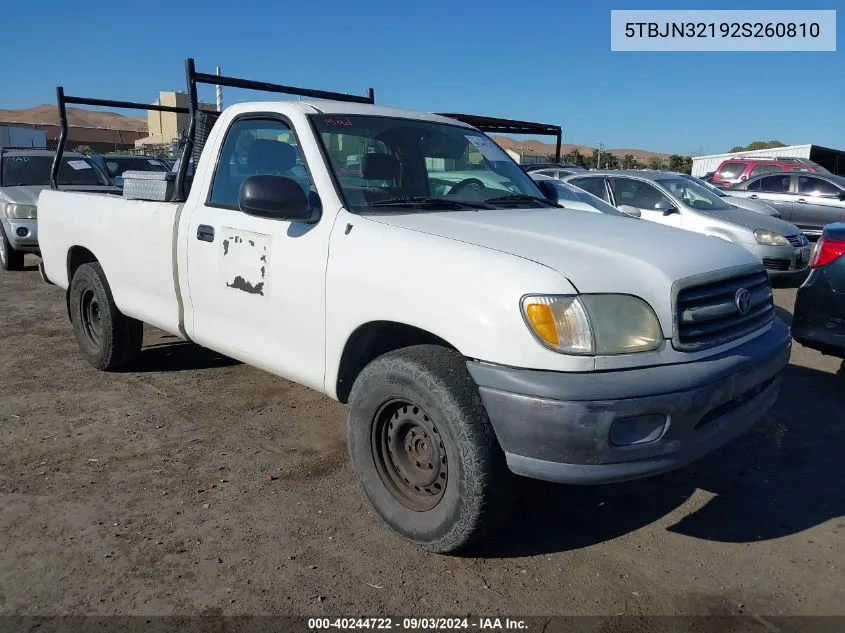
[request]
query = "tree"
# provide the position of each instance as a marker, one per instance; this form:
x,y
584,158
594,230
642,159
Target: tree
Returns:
x,y
676,163
757,145
655,163
629,162
687,165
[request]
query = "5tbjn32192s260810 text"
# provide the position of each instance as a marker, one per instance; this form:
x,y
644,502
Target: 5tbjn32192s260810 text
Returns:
x,y
722,29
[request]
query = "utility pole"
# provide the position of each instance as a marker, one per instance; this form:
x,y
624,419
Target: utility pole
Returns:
x,y
219,93
598,158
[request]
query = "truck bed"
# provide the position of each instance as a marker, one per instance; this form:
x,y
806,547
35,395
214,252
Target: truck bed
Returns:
x,y
137,260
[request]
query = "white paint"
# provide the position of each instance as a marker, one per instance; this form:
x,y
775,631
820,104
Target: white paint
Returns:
x,y
457,275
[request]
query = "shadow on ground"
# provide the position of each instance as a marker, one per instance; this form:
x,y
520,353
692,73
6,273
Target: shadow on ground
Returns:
x,y
178,356
784,476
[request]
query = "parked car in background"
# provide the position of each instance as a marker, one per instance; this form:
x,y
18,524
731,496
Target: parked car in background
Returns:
x,y
555,170
736,201
669,198
115,164
809,201
736,170
569,196
24,174
818,320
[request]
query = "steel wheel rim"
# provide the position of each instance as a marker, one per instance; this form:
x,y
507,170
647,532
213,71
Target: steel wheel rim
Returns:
x,y
92,317
410,455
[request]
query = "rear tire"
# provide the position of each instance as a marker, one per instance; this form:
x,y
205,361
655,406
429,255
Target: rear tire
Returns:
x,y
424,451
10,259
108,338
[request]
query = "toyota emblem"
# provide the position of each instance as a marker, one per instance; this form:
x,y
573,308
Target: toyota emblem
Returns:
x,y
742,299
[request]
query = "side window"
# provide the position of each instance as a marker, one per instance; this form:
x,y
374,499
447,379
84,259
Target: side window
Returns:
x,y
816,187
753,186
731,171
256,147
594,185
775,184
764,169
637,193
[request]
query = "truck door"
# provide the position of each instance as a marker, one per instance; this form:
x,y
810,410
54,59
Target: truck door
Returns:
x,y
257,285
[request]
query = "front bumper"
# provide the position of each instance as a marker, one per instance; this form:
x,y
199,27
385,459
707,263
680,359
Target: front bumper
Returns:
x,y
783,260
577,427
22,234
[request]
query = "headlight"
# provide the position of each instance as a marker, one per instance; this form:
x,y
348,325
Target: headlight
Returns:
x,y
593,324
768,238
21,211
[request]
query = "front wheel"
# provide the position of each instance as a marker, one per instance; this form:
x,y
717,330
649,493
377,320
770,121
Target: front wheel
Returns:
x,y
108,338
424,451
10,259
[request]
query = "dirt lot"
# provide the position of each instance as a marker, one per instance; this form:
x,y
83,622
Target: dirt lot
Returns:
x,y
194,484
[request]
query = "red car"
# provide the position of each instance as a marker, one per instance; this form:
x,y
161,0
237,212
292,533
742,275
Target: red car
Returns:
x,y
735,170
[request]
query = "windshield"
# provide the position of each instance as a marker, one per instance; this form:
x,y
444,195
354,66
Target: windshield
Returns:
x,y
22,170
116,165
570,193
712,188
382,161
694,195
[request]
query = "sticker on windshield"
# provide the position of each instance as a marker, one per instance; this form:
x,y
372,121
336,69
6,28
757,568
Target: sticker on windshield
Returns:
x,y
79,164
488,148
152,162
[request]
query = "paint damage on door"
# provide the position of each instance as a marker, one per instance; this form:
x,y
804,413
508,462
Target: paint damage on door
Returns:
x,y
243,264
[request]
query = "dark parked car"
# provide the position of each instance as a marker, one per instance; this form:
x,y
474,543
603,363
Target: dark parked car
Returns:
x,y
819,318
810,201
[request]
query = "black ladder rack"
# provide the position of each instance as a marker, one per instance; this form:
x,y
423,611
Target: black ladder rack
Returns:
x,y
496,125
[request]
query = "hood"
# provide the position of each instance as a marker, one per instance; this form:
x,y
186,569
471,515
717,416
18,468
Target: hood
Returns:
x,y
750,205
751,220
595,252
29,194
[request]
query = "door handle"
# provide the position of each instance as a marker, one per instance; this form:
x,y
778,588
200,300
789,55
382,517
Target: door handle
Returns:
x,y
753,197
205,233
801,200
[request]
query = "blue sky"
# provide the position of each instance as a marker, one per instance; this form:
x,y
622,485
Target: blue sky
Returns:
x,y
548,62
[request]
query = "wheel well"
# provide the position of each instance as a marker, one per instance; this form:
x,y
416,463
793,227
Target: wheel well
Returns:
x,y
77,256
370,341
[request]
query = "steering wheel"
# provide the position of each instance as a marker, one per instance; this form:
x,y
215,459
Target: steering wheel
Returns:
x,y
467,182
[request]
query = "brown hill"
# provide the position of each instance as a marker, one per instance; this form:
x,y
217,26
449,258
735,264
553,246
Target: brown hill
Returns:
x,y
539,147
77,117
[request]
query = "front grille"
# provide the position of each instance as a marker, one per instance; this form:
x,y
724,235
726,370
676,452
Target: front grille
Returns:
x,y
707,315
773,263
794,240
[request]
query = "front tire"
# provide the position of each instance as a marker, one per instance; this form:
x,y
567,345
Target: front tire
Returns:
x,y
10,259
108,338
424,451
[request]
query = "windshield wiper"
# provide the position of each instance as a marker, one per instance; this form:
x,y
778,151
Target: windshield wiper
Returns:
x,y
427,201
519,197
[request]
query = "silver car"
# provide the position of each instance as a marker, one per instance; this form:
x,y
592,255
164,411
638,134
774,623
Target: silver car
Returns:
x,y
670,199
739,202
808,200
23,175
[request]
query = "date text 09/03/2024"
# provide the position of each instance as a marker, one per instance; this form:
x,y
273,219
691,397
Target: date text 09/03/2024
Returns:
x,y
417,624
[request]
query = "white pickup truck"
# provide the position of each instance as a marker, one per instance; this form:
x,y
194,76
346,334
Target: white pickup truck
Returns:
x,y
474,328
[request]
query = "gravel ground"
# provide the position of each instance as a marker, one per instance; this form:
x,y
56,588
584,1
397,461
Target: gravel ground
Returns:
x,y
194,484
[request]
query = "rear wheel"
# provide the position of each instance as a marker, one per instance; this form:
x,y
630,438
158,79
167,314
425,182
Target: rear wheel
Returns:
x,y
10,259
424,451
108,338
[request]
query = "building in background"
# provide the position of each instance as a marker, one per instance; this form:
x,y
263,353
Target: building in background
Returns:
x,y
14,136
166,128
831,159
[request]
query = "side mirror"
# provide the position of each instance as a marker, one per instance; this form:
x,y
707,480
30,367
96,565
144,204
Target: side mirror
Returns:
x,y
665,207
276,197
549,190
627,209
